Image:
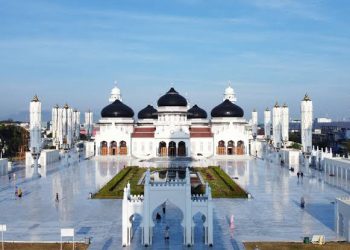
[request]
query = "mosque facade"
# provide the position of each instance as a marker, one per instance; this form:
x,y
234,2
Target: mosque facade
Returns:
x,y
172,129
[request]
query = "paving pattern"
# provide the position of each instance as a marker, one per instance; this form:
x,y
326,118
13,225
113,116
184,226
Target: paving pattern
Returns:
x,y
272,214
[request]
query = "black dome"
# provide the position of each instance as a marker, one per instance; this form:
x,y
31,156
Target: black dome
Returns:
x,y
196,112
227,109
117,109
148,113
172,98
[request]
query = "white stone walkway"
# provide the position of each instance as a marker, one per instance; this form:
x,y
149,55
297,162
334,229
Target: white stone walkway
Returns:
x,y
272,214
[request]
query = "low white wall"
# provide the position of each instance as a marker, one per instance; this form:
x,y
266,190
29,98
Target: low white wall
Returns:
x,y
3,166
258,148
47,156
342,218
290,157
89,148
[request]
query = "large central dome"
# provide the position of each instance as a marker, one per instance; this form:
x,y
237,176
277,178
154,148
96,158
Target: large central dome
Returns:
x,y
117,109
227,109
172,98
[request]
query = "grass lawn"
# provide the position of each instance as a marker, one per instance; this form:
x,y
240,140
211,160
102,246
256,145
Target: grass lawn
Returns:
x,y
221,184
43,246
296,246
114,189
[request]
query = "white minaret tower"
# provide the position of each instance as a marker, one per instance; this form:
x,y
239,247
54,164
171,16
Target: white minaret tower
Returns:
x,y
35,132
306,126
88,123
76,115
55,126
115,94
254,123
285,124
230,94
70,127
267,123
276,125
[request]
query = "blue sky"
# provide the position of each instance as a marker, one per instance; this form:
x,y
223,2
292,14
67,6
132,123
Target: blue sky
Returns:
x,y
72,51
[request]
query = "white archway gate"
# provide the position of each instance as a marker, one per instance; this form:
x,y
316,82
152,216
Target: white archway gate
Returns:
x,y
178,192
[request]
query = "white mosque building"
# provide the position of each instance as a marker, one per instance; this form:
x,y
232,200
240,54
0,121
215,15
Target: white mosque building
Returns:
x,y
172,129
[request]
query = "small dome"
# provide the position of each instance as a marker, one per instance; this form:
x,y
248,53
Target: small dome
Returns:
x,y
227,109
117,109
148,113
172,98
196,113
229,91
115,91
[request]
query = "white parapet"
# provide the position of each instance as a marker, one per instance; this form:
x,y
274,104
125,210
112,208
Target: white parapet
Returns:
x,y
3,166
89,148
47,156
290,157
342,218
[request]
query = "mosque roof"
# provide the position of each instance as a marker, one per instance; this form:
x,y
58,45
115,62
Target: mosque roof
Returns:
x,y
172,98
148,112
196,113
117,109
227,109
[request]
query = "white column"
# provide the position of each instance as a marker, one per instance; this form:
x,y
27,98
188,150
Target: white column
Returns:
x,y
35,132
276,125
285,123
267,123
306,123
254,123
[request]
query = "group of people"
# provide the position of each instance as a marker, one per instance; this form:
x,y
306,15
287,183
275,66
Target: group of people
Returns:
x,y
300,174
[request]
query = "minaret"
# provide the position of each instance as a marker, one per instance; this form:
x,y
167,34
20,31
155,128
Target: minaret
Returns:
x,y
76,125
115,94
70,127
35,132
88,123
254,123
306,124
55,126
285,124
230,94
267,123
276,125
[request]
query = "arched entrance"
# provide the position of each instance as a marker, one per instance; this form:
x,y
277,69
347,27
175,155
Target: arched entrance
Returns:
x,y
113,148
162,150
103,148
135,230
199,229
221,150
181,149
168,223
123,150
230,147
240,148
172,149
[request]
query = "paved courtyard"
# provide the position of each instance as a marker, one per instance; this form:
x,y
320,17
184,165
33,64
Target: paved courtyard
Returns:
x,y
272,214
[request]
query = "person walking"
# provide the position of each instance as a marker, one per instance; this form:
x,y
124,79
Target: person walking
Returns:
x,y
302,175
57,198
302,202
298,174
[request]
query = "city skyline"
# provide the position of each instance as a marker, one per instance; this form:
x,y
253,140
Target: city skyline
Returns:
x,y
270,51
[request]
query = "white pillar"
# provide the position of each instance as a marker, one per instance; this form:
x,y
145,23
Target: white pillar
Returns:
x,y
254,123
267,123
285,123
276,125
35,132
306,123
